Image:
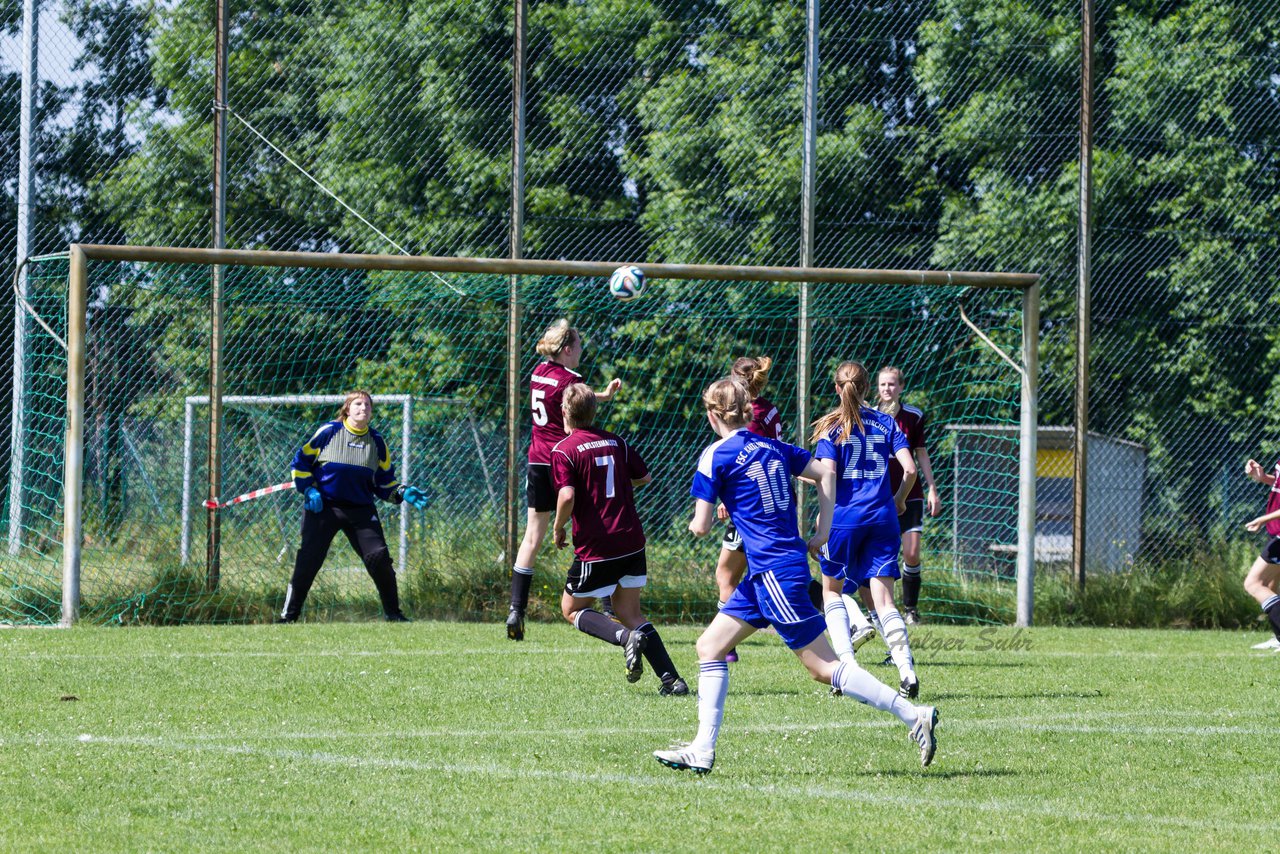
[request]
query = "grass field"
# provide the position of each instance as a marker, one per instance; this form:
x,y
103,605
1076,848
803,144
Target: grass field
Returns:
x,y
447,736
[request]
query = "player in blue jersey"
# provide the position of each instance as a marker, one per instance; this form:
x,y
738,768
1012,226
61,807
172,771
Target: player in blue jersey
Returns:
x,y
858,443
339,472
752,475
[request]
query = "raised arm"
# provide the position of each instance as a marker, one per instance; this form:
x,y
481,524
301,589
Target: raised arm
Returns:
x,y
610,390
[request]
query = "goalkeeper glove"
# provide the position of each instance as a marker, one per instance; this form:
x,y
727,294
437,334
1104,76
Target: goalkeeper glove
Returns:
x,y
413,495
313,502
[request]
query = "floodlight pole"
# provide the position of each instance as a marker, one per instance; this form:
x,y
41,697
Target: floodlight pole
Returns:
x,y
512,515
213,538
804,332
26,226
1080,481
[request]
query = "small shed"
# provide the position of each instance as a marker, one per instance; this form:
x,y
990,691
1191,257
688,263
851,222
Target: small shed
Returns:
x,y
984,497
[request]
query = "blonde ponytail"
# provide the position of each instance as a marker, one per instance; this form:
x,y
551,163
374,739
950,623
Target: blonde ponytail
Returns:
x,y
852,384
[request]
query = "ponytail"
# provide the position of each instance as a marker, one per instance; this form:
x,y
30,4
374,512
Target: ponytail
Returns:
x,y
852,384
753,372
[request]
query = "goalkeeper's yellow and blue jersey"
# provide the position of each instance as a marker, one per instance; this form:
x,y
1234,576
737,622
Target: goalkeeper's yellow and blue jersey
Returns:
x,y
347,466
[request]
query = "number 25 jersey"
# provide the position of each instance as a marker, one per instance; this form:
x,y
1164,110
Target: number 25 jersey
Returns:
x,y
863,493
752,475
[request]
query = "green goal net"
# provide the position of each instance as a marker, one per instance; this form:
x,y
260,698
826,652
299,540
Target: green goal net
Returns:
x,y
432,348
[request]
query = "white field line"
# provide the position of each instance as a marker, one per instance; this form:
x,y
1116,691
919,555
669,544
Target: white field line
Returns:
x,y
806,793
588,649
1044,723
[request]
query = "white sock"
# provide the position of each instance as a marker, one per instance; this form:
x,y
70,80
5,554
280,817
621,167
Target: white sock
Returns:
x,y
895,637
857,619
838,628
713,685
875,621
857,683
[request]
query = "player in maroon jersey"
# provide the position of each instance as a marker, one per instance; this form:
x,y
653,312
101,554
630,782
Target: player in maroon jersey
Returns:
x,y
753,373
595,473
911,422
1263,580
561,347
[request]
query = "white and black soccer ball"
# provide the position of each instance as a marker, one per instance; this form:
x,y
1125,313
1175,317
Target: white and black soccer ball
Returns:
x,y
627,283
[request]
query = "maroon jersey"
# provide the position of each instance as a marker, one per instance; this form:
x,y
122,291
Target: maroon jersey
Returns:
x,y
600,468
546,388
911,423
1273,502
765,420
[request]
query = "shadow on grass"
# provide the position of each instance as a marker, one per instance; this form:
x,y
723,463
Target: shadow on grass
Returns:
x,y
941,774
1022,695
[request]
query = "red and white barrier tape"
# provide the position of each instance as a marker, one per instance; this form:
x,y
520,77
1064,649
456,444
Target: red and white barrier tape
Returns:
x,y
248,496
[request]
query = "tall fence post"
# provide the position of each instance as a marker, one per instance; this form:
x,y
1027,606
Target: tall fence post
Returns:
x,y
213,538
1027,450
73,446
809,158
513,294
1079,526
26,225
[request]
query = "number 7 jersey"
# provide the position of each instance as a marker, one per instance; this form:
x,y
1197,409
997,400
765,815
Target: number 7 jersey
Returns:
x,y
600,467
752,475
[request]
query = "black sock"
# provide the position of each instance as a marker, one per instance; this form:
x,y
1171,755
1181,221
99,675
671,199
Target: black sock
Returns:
x,y
1273,614
655,652
910,586
520,589
599,626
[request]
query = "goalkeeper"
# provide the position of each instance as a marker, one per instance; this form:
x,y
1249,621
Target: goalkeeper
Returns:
x,y
339,472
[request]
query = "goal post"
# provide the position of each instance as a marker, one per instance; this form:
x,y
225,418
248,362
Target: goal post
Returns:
x,y
683,334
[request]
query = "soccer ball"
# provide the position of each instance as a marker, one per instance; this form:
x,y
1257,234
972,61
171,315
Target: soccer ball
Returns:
x,y
627,283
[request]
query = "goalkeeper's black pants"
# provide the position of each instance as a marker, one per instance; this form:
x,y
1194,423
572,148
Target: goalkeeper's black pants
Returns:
x,y
364,532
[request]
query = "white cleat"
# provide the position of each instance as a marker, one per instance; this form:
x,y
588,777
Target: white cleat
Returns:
x,y
922,733
861,636
685,758
1272,644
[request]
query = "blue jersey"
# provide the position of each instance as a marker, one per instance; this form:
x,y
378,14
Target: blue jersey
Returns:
x,y
863,493
752,475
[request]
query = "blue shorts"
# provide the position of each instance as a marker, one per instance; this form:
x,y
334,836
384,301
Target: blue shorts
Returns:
x,y
857,554
778,598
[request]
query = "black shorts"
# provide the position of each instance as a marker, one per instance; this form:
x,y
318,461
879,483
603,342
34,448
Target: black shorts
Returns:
x,y
601,577
539,488
732,539
1271,551
912,519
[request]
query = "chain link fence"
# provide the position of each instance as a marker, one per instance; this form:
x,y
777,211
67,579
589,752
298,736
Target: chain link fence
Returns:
x,y
947,137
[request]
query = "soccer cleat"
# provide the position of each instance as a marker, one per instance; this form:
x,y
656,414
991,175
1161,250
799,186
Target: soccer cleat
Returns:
x,y
673,687
911,617
286,619
861,636
909,687
398,617
731,656
633,653
515,624
685,758
1269,644
922,734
